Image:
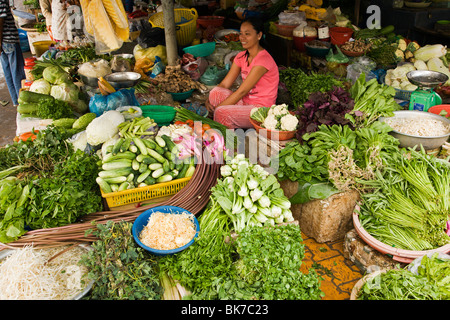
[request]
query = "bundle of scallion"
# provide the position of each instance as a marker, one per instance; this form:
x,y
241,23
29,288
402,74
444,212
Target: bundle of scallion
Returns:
x,y
410,206
249,195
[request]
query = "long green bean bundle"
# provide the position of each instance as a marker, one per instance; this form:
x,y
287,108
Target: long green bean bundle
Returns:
x,y
410,205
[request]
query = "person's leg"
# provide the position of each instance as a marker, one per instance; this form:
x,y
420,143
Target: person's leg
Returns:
x,y
234,116
8,77
17,65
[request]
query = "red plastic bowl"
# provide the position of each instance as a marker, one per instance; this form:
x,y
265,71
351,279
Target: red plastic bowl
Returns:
x,y
340,35
400,255
439,108
215,21
299,42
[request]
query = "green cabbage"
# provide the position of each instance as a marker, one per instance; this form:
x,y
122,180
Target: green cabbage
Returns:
x,y
40,86
56,75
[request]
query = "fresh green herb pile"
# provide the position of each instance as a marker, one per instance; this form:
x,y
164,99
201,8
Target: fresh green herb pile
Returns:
x,y
337,154
372,100
261,263
52,186
120,268
300,85
411,202
430,282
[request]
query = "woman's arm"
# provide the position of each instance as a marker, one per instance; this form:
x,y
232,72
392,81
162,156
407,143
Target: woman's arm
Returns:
x,y
231,76
253,77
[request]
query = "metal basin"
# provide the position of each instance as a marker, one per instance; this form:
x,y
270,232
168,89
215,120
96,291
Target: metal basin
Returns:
x,y
410,141
121,80
89,81
426,78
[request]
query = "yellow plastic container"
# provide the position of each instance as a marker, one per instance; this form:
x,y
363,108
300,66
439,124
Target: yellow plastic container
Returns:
x,y
41,46
185,31
120,198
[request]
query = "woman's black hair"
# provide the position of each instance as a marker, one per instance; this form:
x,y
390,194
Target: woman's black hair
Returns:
x,y
258,25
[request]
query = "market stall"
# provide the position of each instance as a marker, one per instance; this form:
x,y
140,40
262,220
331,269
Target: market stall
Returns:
x,y
119,165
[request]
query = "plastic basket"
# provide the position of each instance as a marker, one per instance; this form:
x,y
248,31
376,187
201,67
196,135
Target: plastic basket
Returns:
x,y
120,198
163,115
185,23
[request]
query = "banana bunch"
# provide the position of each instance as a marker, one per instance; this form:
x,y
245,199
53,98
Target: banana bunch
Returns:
x,y
105,87
107,21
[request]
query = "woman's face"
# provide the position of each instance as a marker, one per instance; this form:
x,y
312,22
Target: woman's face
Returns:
x,y
248,36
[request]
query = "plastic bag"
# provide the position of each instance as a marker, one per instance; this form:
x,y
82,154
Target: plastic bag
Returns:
x,y
337,57
151,52
218,56
196,68
99,104
291,18
213,75
130,112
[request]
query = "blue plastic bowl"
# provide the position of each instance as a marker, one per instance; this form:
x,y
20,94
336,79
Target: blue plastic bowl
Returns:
x,y
142,220
202,49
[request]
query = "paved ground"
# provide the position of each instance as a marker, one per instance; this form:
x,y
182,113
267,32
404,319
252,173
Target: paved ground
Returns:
x,y
8,112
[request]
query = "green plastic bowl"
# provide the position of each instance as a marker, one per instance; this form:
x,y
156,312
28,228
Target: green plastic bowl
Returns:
x,y
163,115
180,96
202,49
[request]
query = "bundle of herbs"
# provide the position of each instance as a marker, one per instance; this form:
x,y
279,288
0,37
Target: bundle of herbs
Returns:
x,y
121,270
324,108
258,263
371,101
409,207
300,84
429,280
335,159
51,184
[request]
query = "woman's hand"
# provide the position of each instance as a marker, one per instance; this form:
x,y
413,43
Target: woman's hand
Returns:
x,y
209,106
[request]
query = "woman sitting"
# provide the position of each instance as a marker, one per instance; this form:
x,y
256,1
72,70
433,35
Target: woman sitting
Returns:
x,y
260,77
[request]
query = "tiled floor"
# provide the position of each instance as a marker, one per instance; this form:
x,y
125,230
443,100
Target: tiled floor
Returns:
x,y
339,274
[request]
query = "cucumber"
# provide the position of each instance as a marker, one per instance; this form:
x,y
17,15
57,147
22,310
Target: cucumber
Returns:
x,y
140,157
124,186
182,171
140,145
159,149
149,143
169,143
156,155
114,187
135,165
149,180
83,121
130,177
165,178
143,167
114,173
155,166
386,30
116,180
64,123
160,141
143,176
133,148
149,160
122,155
117,164
125,145
158,173
117,145
166,166
191,169
106,188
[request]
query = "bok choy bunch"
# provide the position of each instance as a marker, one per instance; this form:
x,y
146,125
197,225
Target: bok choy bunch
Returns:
x,y
250,195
